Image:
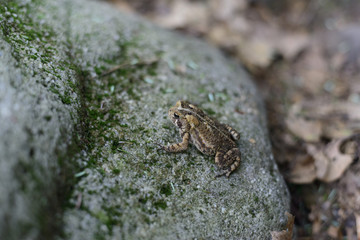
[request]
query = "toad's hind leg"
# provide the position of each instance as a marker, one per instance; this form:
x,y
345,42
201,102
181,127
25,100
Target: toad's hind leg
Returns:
x,y
229,161
234,134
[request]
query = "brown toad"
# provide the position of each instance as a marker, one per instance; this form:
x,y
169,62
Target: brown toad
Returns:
x,y
207,134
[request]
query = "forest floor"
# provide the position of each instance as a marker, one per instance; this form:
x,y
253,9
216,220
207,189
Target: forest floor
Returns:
x,y
305,58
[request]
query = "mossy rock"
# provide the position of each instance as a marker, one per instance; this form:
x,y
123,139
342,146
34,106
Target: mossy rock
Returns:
x,y
89,88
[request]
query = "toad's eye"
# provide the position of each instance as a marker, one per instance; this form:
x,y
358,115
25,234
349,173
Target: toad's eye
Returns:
x,y
176,116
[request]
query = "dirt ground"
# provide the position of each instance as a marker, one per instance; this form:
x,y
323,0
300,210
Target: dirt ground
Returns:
x,y
305,58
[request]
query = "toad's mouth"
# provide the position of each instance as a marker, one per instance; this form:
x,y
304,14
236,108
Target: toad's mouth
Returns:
x,y
178,123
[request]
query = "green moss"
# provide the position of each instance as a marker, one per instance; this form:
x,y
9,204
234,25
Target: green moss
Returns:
x,y
115,190
132,93
143,200
101,171
100,235
102,216
99,70
116,171
131,191
115,145
160,204
209,111
66,98
35,36
166,189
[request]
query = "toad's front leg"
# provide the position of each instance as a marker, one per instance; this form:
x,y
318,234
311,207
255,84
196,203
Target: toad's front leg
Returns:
x,y
178,147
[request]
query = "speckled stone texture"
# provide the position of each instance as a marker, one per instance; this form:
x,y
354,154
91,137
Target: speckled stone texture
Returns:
x,y
37,116
78,152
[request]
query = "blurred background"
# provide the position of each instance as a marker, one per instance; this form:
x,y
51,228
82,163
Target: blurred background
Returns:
x,y
304,57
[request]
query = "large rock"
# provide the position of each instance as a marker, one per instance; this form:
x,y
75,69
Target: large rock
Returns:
x,y
38,103
78,154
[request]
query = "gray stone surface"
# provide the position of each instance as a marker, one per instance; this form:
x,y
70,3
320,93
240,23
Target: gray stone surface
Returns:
x,y
35,124
60,115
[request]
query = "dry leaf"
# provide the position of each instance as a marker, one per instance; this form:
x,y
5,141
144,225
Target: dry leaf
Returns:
x,y
302,126
357,217
124,6
338,162
312,70
349,189
303,171
338,48
350,233
333,232
264,41
240,26
285,234
335,128
225,10
256,52
326,163
349,193
193,15
330,162
221,34
321,161
307,130
316,226
340,109
310,121
290,45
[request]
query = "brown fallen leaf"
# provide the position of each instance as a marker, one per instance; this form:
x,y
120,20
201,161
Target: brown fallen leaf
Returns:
x,y
256,53
303,171
285,234
290,45
340,109
316,226
320,160
185,14
307,130
330,162
123,5
344,59
349,189
325,162
311,70
226,10
338,161
357,217
263,41
218,31
349,194
312,120
350,233
333,232
336,128
324,224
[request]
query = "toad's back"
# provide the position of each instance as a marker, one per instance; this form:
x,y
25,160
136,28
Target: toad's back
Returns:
x,y
210,136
